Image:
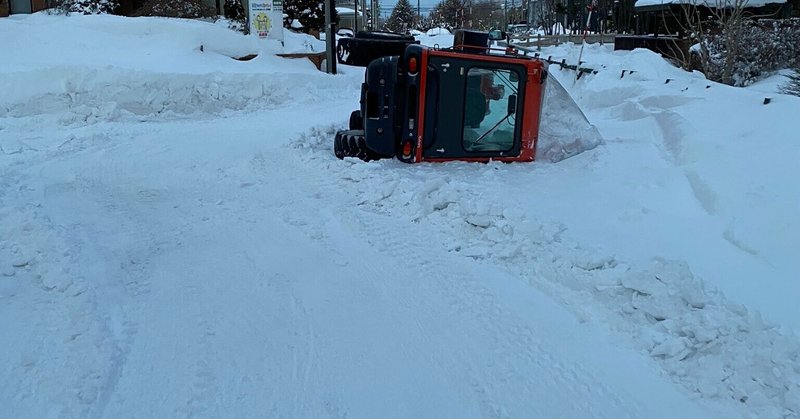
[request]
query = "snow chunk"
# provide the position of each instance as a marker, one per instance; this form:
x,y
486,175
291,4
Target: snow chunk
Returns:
x,y
670,348
648,285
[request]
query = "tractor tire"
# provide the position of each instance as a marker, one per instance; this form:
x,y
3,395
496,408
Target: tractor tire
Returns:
x,y
391,36
352,143
356,120
367,46
338,150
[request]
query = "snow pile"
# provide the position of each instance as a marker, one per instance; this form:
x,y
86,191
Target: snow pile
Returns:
x,y
436,37
104,41
740,199
89,7
89,95
174,74
719,350
437,32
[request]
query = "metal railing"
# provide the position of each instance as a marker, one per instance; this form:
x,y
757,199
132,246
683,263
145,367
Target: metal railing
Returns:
x,y
540,41
528,51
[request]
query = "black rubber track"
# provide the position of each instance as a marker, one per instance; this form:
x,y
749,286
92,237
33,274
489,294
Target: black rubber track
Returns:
x,y
352,143
356,121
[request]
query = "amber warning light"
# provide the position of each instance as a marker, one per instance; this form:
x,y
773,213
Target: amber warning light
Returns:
x,y
407,149
412,65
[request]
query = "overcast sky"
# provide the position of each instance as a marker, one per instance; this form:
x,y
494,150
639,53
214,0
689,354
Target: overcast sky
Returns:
x,y
424,5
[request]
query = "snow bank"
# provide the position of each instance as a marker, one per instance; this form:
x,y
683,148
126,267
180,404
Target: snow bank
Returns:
x,y
88,95
113,68
733,155
144,43
716,349
436,37
437,31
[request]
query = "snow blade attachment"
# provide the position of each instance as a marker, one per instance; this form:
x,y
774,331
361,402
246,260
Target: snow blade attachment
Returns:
x,y
564,130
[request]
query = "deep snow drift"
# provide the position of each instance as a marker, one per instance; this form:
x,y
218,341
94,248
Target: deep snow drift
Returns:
x,y
177,239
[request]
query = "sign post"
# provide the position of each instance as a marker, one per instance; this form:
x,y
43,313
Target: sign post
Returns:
x,y
266,19
330,37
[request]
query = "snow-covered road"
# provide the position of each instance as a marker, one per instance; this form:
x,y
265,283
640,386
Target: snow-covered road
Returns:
x,y
181,244
211,277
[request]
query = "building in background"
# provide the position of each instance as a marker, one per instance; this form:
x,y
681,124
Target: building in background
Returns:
x,y
126,7
346,9
21,6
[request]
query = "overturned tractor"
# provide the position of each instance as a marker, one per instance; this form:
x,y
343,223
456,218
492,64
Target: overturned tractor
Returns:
x,y
469,102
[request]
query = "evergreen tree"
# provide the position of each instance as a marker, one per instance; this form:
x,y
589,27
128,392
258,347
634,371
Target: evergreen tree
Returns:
x,y
310,13
792,87
402,17
487,14
176,8
451,14
88,7
234,10
237,18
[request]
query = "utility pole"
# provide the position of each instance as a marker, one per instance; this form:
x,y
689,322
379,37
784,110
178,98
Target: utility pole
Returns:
x,y
355,17
330,37
419,16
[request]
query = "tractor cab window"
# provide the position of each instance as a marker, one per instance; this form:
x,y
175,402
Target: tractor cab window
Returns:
x,y
490,110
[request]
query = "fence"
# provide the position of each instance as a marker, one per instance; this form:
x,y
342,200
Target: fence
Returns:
x,y
540,41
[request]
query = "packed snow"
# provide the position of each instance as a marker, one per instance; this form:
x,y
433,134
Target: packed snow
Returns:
x,y
178,239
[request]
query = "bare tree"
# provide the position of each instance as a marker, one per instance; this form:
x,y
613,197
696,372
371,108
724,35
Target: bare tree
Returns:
x,y
718,29
732,18
487,14
452,14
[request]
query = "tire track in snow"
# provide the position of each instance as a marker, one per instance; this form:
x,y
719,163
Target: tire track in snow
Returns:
x,y
712,347
465,292
94,347
473,298
112,230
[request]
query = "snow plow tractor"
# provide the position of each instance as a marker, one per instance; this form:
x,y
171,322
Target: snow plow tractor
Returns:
x,y
468,103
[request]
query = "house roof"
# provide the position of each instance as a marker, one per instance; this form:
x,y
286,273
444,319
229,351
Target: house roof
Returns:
x,y
707,3
347,11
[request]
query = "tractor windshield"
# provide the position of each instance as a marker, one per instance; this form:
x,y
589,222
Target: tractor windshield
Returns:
x,y
490,109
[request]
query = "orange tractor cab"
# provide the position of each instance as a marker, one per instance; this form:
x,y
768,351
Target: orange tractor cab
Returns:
x,y
469,102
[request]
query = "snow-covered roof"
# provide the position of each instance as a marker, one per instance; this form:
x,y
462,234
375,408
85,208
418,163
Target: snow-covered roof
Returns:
x,y
708,3
347,11
438,31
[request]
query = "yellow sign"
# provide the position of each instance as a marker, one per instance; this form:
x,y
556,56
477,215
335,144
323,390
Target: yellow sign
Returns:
x,y
263,24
